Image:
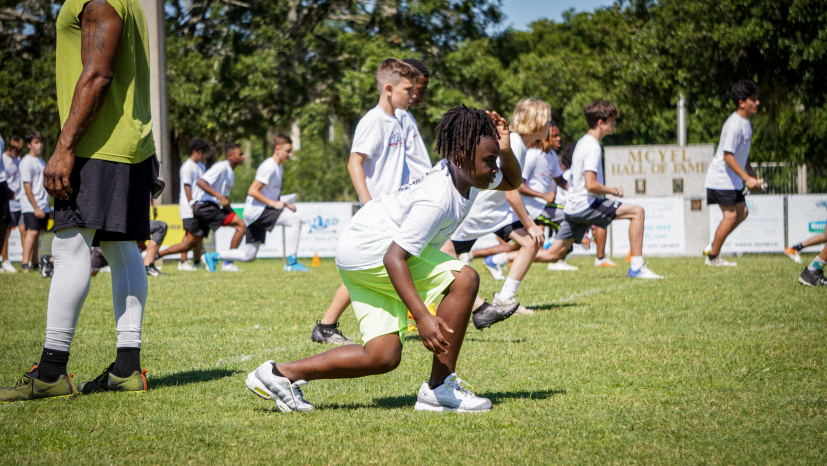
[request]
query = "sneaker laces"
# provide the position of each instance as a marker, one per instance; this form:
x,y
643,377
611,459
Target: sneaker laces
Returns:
x,y
458,383
295,389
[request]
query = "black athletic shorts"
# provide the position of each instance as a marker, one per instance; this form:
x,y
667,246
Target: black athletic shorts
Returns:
x,y
463,246
33,223
16,218
189,224
110,197
5,210
209,216
724,197
257,231
157,231
506,230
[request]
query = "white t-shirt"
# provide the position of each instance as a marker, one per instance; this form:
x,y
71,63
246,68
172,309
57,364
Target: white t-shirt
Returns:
x,y
491,211
539,171
587,156
31,171
382,139
736,138
12,167
269,174
424,212
190,173
220,177
416,154
562,193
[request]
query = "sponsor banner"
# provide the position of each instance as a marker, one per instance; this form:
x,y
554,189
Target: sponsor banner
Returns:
x,y
762,231
663,230
15,246
322,224
806,217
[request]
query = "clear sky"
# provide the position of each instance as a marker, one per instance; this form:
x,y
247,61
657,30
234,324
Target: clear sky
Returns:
x,y
519,13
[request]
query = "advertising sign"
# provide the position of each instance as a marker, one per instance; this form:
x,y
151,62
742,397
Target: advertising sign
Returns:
x,y
663,230
806,217
762,231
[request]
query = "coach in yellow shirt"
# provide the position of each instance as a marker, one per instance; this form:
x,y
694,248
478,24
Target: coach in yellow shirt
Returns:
x,y
101,175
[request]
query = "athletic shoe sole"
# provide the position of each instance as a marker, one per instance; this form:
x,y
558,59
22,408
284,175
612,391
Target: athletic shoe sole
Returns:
x,y
420,406
257,387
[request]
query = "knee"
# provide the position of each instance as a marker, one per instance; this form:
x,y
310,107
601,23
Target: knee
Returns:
x,y
468,279
743,215
640,213
387,361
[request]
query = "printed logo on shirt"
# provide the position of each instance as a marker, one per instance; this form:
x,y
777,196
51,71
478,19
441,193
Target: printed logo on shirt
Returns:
x,y
396,140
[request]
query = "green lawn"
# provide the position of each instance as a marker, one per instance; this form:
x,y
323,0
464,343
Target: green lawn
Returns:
x,y
707,366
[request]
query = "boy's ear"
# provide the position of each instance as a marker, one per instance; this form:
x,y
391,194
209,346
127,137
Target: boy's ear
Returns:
x,y
388,88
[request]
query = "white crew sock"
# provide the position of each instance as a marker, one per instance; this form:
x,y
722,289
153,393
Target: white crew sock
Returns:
x,y
509,288
637,262
244,253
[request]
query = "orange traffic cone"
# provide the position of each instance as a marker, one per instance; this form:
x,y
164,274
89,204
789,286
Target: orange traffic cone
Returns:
x,y
316,261
629,257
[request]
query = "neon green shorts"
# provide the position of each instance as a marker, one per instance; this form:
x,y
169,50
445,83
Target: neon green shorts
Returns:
x,y
378,308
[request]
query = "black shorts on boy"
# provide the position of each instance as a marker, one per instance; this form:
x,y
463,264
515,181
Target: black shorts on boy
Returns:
x,y
257,231
724,197
600,213
209,216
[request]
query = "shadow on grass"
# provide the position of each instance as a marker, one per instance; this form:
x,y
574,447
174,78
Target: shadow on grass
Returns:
x,y
189,377
549,306
408,401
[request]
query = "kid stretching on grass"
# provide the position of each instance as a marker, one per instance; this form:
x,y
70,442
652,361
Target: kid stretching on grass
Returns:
x,y
389,260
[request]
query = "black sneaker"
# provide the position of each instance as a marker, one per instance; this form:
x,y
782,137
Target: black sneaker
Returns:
x,y
489,314
809,278
47,267
25,268
326,334
153,271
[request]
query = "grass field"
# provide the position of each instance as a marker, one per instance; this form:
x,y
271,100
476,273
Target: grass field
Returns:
x,y
707,366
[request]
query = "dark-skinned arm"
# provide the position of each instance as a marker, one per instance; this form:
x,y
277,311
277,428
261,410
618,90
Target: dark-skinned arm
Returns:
x,y
561,182
101,29
396,263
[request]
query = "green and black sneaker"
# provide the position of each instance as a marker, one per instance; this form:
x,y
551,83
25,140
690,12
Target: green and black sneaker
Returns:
x,y
29,387
109,382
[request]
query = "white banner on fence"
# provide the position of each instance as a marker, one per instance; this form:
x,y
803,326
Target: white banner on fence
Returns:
x,y
806,217
663,230
322,224
762,231
15,246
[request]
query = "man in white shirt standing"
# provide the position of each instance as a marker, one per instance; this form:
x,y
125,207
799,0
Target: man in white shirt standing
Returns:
x,y
730,170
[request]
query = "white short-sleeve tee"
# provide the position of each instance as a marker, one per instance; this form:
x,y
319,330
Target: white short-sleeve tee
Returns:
x,y
539,171
424,212
382,139
12,166
416,154
736,138
587,156
190,173
562,193
491,211
31,171
220,177
269,174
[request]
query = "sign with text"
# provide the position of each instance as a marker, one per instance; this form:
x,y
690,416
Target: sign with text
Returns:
x,y
806,217
658,170
322,224
663,228
762,231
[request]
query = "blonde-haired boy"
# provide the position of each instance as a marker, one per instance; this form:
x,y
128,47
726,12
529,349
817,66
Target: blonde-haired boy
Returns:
x,y
377,165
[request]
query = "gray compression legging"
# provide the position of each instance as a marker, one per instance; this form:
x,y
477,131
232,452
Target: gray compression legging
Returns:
x,y
70,285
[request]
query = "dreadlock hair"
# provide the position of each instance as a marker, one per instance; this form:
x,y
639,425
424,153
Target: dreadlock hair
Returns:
x,y
459,132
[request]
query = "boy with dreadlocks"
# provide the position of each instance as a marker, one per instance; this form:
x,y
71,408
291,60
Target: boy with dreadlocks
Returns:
x,y
389,259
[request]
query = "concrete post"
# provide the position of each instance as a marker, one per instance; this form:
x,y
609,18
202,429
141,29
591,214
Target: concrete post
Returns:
x,y
154,10
681,120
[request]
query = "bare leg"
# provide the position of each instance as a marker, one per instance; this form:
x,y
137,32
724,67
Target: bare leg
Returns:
x,y
185,245
240,229
198,249
636,216
5,230
378,356
600,235
733,216
812,241
28,245
502,247
151,250
524,256
558,250
455,310
448,248
337,307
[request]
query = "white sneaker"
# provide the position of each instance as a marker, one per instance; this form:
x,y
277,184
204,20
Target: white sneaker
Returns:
x,y
561,266
229,267
7,267
644,272
605,262
494,269
105,269
719,262
503,302
450,396
522,310
793,254
466,258
186,267
708,249
288,396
